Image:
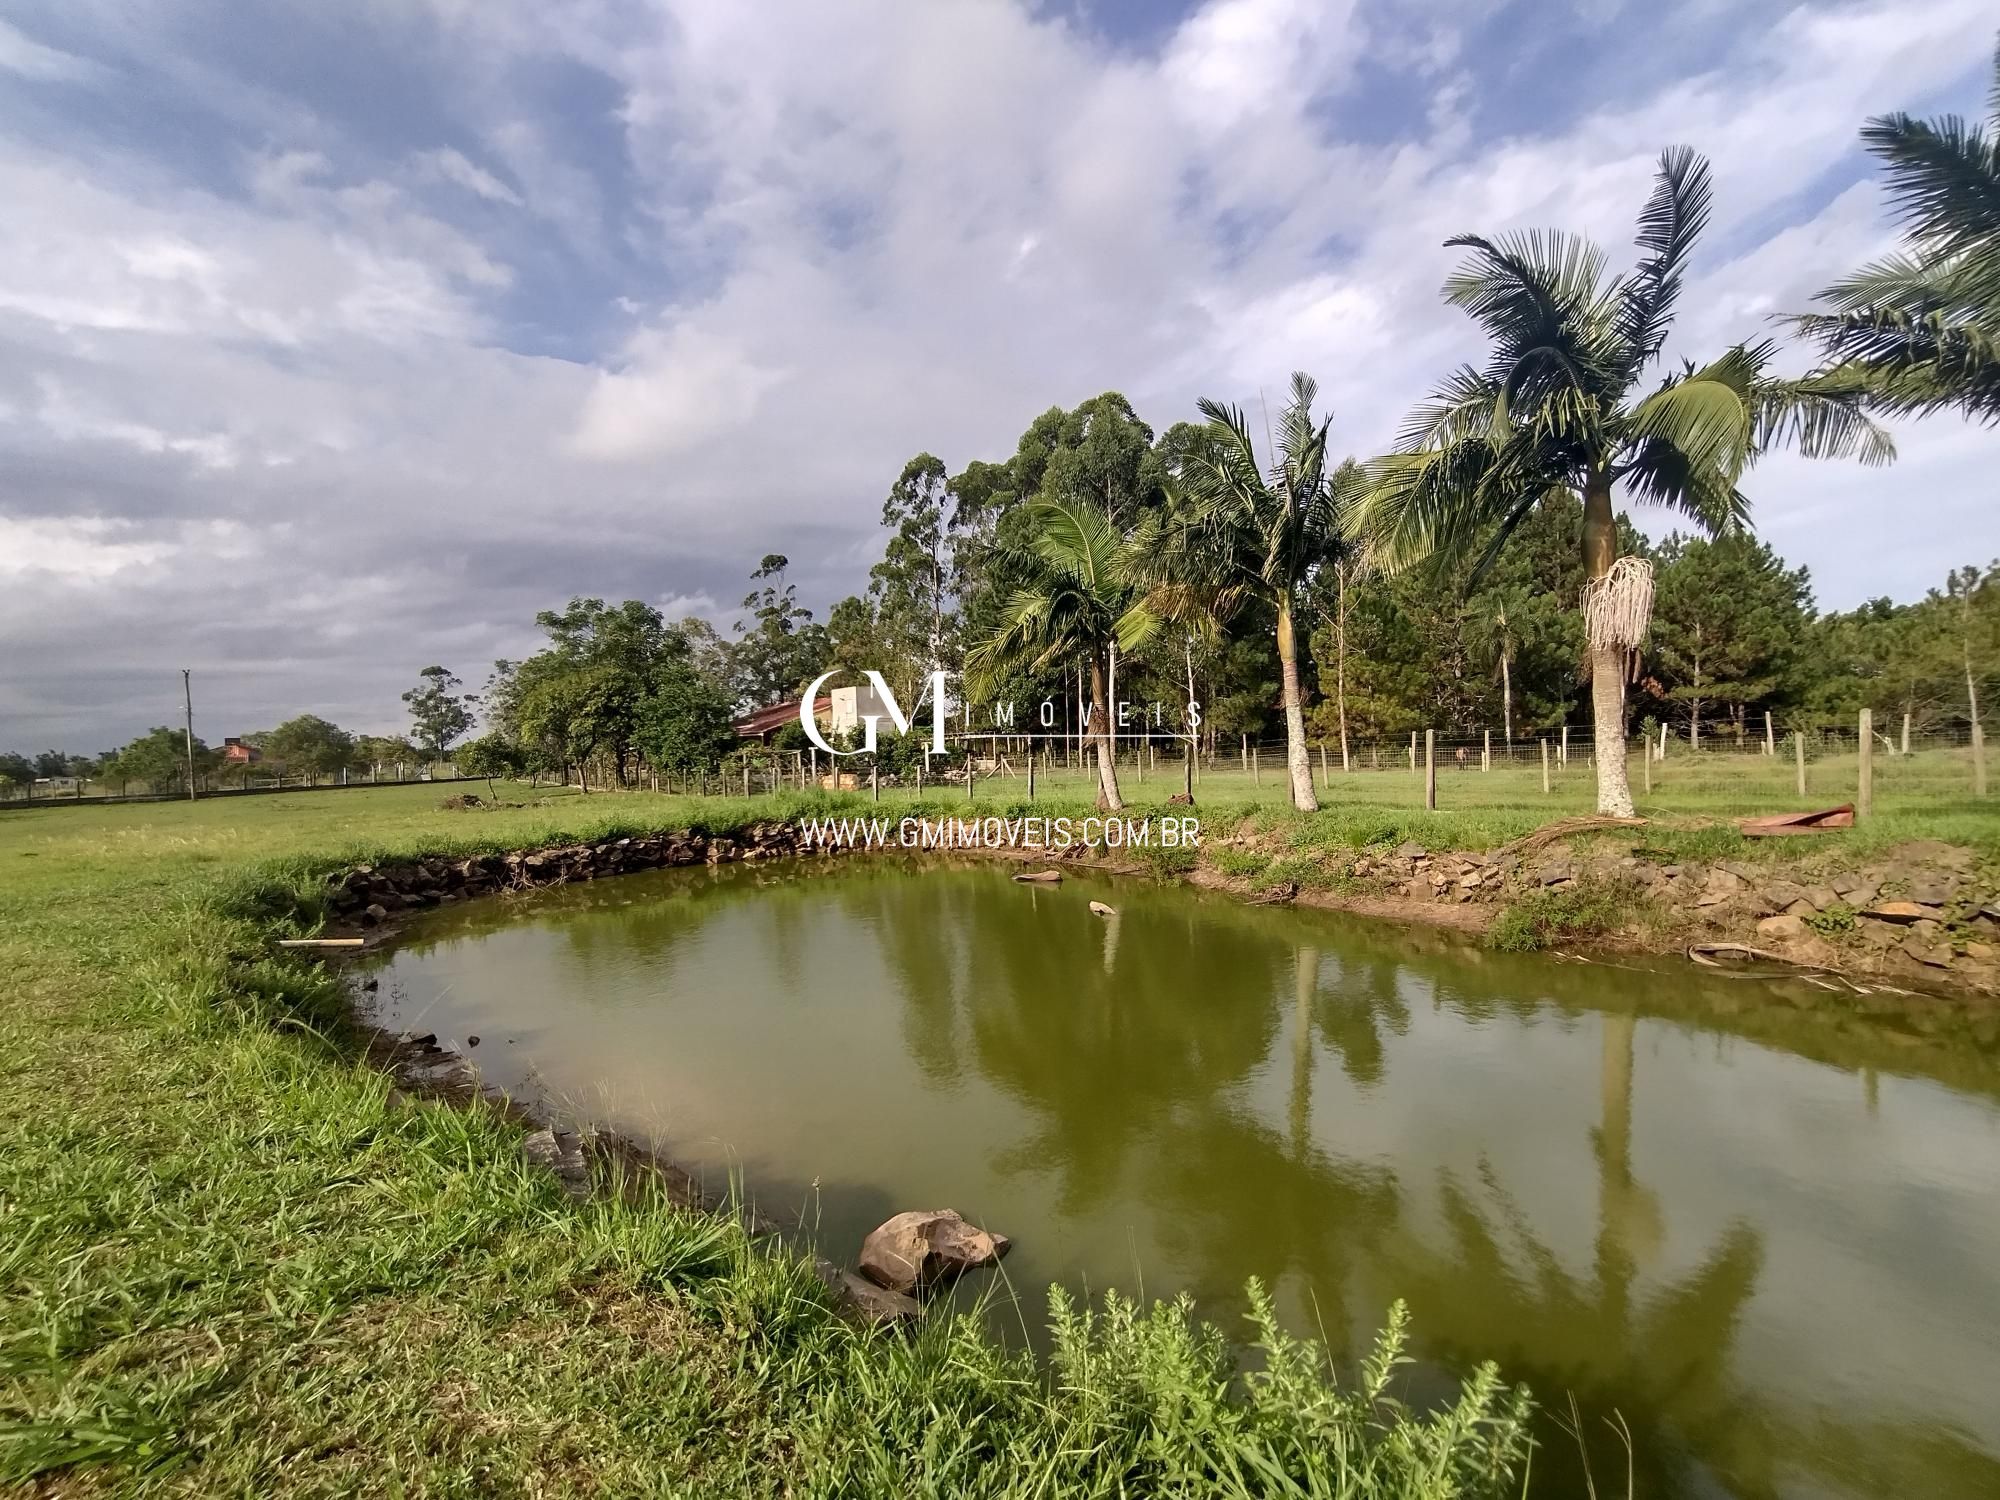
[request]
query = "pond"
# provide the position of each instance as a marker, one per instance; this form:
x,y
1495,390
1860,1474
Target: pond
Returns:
x,y
1757,1223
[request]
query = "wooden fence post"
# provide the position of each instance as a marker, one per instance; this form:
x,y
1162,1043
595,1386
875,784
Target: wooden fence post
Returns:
x,y
746,778
1486,754
1257,765
1413,752
1646,760
1563,757
1031,768
1663,744
1864,791
1545,765
1324,784
1430,770
875,782
1770,739
1799,757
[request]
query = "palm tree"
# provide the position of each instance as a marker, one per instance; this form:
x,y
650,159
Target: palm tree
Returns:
x,y
1237,534
1557,407
1076,605
1920,331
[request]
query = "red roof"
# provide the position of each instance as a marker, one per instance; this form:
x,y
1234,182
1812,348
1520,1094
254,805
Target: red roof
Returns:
x,y
776,716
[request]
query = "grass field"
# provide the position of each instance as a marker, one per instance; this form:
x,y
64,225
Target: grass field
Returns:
x,y
228,1264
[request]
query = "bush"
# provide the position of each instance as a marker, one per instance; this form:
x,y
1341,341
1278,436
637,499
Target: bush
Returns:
x,y
1566,914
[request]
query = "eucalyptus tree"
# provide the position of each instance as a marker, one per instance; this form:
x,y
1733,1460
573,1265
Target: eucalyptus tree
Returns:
x,y
1919,331
1558,406
1237,533
1076,602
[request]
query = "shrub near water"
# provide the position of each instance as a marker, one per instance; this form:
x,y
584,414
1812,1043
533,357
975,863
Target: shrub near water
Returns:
x,y
229,1265
1567,914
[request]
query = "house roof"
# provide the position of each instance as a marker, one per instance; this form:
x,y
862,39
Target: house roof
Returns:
x,y
775,716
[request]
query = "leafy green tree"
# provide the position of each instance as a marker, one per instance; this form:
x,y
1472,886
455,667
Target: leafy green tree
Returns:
x,y
1239,533
782,650
911,588
1731,627
684,725
492,754
17,772
439,713
311,745
160,759
378,750
1919,331
1557,406
1079,602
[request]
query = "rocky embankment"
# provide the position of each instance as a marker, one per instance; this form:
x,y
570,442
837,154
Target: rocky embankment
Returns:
x,y
370,895
1924,911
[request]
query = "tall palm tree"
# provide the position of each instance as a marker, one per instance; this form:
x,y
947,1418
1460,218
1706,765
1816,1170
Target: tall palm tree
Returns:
x,y
1920,331
1077,602
1557,406
1235,533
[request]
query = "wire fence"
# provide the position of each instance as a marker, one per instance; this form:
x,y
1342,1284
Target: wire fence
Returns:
x,y
1553,770
1790,770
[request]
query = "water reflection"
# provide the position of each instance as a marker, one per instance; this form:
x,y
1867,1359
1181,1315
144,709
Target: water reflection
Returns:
x,y
1761,1232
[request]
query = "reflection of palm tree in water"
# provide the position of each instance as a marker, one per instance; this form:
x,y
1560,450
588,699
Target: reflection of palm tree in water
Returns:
x,y
1665,1362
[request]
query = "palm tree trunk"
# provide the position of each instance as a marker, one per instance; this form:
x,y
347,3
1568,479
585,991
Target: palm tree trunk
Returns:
x,y
1108,799
1607,663
1297,757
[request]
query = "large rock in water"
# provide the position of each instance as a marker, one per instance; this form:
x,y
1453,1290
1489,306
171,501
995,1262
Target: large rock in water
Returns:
x,y
925,1247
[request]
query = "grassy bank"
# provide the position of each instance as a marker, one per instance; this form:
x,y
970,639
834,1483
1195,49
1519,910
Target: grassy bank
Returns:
x,y
229,1262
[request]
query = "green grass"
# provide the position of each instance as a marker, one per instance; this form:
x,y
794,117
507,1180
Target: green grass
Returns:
x,y
229,1263
1577,912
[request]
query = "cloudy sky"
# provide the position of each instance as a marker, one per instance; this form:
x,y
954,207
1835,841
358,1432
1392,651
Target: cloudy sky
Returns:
x,y
338,339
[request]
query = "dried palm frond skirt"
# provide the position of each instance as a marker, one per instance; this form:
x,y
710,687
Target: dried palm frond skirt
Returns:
x,y
1618,608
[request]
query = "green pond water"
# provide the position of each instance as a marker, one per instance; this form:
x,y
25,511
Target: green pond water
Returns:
x,y
1758,1223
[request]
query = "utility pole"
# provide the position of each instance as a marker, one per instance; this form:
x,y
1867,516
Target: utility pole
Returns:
x,y
187,701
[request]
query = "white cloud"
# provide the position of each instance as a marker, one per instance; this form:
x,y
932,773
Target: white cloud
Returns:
x,y
29,58
452,166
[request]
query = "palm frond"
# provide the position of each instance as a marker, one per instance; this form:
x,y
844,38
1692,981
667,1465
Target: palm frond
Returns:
x,y
1823,416
1669,225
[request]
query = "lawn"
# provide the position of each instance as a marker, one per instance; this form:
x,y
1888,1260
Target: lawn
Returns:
x,y
230,1262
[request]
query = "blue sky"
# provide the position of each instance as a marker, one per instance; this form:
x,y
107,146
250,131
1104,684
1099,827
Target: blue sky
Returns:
x,y
335,340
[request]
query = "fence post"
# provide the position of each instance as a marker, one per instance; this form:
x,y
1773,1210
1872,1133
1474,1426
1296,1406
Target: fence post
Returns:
x,y
1978,759
875,782
1430,770
1770,739
1864,791
1646,760
1486,754
1663,744
1413,752
1563,757
1799,758
1545,765
1325,785
1257,765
